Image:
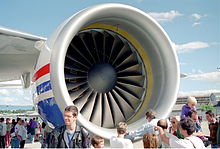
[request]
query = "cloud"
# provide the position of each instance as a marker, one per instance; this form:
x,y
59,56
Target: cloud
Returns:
x,y
4,92
213,77
191,46
196,23
16,96
165,16
18,101
196,16
197,93
197,71
183,63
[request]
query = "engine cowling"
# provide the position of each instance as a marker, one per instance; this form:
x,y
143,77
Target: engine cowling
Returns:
x,y
113,62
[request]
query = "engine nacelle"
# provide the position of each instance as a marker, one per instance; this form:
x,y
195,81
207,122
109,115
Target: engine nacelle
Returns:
x,y
113,62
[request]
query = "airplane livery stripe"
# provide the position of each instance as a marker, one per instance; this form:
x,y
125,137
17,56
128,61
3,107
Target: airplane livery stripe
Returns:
x,y
44,87
41,72
50,111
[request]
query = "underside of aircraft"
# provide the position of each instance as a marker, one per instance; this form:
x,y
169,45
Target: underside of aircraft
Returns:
x,y
112,61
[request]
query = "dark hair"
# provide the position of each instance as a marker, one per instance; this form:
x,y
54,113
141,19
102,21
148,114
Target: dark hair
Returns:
x,y
72,109
210,113
150,114
191,112
122,127
188,125
96,140
43,124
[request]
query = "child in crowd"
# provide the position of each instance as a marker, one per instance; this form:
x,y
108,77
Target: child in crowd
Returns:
x,y
98,142
120,141
150,140
190,105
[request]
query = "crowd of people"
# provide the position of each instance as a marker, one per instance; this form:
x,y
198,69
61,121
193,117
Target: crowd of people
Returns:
x,y
182,131
185,131
15,133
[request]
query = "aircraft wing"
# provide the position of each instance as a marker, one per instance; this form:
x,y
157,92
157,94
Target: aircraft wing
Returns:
x,y
19,52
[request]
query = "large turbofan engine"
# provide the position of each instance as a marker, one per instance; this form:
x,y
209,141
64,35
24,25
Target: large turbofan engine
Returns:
x,y
113,62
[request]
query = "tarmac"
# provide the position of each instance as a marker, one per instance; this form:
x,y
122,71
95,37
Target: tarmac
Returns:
x,y
31,145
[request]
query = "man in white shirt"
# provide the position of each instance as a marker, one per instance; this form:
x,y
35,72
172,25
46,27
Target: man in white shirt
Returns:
x,y
3,129
164,125
16,137
147,127
120,141
23,133
187,128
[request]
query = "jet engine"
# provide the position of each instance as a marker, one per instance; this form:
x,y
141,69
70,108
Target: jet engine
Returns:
x,y
113,62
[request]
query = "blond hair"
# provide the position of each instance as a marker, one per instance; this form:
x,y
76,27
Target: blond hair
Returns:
x,y
192,100
150,140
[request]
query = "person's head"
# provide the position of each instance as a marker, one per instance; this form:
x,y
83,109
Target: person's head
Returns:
x,y
193,115
122,128
162,123
13,120
22,122
19,121
210,116
187,127
2,119
70,115
150,115
191,101
8,120
174,122
98,142
150,140
43,124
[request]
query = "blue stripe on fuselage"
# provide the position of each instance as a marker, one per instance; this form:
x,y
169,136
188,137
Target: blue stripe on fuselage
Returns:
x,y
44,87
49,110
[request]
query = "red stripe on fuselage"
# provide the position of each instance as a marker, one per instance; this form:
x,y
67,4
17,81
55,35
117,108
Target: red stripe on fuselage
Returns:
x,y
41,72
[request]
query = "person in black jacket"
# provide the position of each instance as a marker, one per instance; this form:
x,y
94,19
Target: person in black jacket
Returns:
x,y
70,135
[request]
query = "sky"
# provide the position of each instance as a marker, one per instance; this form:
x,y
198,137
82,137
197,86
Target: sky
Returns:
x,y
192,25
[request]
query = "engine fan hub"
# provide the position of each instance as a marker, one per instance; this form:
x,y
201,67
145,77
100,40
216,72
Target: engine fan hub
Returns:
x,y
102,77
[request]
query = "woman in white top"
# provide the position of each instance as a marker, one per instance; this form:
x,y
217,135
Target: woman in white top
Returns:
x,y
120,141
187,128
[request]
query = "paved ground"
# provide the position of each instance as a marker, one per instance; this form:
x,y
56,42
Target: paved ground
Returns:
x,y
34,145
30,145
